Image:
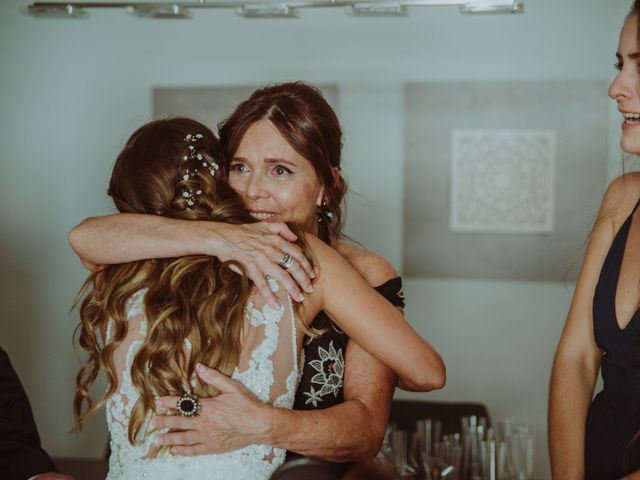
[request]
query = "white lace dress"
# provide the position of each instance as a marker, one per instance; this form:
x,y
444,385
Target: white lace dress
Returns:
x,y
268,367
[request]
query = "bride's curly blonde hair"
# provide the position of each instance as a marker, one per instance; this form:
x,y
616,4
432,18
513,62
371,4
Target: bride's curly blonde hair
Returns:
x,y
163,172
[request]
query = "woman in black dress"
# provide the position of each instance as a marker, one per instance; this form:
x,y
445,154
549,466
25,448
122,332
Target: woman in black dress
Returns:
x,y
283,148
599,439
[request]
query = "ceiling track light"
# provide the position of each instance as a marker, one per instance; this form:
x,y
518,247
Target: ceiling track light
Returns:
x,y
495,7
393,9
55,11
244,8
163,12
267,10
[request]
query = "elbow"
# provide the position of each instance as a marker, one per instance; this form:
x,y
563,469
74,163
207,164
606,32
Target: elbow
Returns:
x,y
371,447
433,377
440,379
77,239
437,377
76,236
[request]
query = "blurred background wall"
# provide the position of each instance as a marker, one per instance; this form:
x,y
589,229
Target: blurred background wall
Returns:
x,y
72,91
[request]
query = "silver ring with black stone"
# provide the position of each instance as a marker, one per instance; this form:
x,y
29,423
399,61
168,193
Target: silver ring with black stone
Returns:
x,y
189,405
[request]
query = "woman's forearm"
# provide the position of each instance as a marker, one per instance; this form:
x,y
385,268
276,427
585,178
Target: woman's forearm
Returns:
x,y
340,433
126,237
350,431
571,390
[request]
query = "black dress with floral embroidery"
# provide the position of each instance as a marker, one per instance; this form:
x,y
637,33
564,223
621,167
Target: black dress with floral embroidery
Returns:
x,y
321,384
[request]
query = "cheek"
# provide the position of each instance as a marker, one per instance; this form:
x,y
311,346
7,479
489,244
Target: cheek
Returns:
x,y
235,182
297,202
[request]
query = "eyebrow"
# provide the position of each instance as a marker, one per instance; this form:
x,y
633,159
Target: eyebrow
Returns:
x,y
268,160
632,56
271,161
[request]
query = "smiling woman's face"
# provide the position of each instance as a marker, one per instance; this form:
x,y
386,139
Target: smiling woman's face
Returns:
x,y
625,87
275,182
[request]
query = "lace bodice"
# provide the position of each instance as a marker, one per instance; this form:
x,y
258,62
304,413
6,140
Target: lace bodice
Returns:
x,y
268,367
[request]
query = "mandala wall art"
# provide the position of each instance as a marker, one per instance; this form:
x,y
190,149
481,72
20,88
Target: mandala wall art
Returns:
x,y
502,181
502,178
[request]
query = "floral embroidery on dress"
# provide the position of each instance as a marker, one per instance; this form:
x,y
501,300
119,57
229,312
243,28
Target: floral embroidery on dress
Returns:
x,y
330,368
321,381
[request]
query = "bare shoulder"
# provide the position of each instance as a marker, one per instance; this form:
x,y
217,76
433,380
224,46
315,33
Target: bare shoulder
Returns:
x,y
374,268
622,195
619,200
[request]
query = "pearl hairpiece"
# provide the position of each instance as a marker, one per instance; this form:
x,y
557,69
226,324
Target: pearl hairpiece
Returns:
x,y
194,155
213,167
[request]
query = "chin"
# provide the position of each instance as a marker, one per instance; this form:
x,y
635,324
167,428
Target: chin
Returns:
x,y
630,143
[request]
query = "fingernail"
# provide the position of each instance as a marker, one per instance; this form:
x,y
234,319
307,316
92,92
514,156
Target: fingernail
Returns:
x,y
300,298
309,289
274,304
200,368
313,274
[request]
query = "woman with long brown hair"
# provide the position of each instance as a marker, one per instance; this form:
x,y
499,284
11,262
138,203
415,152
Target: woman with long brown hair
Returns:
x,y
282,150
149,324
599,439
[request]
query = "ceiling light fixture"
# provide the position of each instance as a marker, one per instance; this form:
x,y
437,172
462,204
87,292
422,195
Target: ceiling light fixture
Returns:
x,y
165,12
377,10
288,9
267,10
55,11
492,7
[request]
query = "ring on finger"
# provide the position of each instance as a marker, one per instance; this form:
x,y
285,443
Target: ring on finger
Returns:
x,y
189,405
286,262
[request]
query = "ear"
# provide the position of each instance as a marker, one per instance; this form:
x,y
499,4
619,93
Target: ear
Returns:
x,y
335,172
320,197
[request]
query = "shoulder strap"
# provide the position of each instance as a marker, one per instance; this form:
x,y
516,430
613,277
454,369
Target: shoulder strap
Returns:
x,y
392,291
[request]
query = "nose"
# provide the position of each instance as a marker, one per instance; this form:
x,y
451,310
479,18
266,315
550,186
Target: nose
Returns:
x,y
621,87
255,187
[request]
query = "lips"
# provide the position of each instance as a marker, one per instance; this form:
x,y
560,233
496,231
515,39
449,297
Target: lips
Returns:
x,y
631,118
262,216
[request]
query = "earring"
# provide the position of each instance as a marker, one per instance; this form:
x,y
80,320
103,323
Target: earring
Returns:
x,y
325,217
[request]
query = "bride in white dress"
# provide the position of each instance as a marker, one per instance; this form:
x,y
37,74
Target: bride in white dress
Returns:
x,y
147,324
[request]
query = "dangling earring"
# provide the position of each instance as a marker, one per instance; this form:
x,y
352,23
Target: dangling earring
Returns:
x,y
325,217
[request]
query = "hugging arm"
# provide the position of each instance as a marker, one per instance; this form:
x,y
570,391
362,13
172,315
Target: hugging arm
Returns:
x,y
259,247
350,431
376,325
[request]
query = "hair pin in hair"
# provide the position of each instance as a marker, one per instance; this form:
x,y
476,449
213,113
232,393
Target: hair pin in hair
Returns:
x,y
194,155
190,195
